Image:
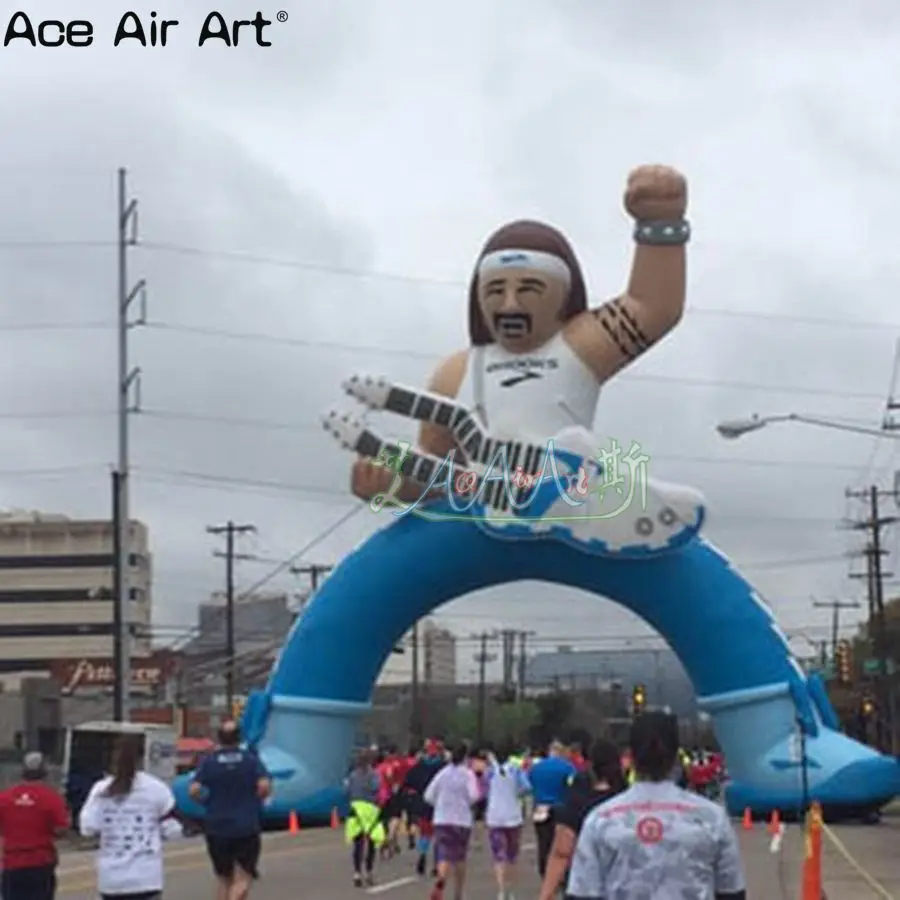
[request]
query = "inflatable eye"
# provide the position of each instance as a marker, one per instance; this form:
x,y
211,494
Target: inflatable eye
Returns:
x,y
644,526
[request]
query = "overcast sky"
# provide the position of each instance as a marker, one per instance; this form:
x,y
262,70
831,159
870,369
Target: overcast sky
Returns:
x,y
313,208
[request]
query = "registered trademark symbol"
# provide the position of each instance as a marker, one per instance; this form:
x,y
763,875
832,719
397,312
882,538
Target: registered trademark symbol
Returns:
x,y
281,15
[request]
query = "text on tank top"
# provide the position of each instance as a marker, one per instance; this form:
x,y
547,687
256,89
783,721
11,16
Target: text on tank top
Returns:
x,y
530,395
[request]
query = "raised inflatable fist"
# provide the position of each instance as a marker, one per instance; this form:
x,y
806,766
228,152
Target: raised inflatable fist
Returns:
x,y
656,193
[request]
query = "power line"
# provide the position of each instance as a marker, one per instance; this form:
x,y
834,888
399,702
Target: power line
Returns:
x,y
282,425
341,494
649,377
261,259
247,595
293,558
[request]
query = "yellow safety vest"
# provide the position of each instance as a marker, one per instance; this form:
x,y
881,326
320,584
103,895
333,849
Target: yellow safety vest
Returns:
x,y
364,818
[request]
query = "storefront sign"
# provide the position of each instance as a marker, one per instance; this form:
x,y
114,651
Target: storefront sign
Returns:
x,y
82,674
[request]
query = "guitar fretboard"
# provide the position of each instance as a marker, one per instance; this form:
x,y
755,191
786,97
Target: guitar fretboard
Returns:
x,y
423,469
478,447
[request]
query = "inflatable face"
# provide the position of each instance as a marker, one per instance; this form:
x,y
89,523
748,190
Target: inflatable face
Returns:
x,y
526,285
522,295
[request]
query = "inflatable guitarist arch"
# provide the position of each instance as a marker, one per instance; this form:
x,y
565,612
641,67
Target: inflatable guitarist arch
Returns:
x,y
525,393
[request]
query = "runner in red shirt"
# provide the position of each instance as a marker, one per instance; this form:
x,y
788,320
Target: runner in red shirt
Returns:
x,y
32,816
577,758
404,766
389,771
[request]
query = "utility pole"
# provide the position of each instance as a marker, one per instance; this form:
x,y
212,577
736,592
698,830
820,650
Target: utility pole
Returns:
x,y
415,713
315,571
128,390
523,662
427,677
835,606
229,529
482,658
873,525
508,639
120,688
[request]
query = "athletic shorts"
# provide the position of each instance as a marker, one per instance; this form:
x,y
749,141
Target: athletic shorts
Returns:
x,y
37,883
425,827
393,808
451,843
479,810
152,895
228,853
505,844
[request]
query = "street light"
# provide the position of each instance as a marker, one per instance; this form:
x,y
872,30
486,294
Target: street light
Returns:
x,y
735,428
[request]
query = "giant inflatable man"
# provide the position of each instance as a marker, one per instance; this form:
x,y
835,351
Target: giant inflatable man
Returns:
x,y
539,356
534,369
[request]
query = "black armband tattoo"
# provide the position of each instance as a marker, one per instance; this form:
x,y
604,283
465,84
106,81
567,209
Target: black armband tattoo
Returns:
x,y
623,329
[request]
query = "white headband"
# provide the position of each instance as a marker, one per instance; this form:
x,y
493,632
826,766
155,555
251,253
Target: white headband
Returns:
x,y
496,262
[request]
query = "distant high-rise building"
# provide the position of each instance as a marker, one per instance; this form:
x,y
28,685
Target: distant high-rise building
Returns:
x,y
437,658
56,591
261,625
439,654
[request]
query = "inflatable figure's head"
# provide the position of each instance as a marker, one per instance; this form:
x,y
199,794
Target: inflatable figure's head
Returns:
x,y
527,283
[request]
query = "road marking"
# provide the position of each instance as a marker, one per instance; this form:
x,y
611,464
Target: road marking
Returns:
x,y
88,881
410,879
390,885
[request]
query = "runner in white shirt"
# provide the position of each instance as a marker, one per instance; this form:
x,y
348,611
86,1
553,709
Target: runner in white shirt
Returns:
x,y
507,785
452,792
129,812
656,840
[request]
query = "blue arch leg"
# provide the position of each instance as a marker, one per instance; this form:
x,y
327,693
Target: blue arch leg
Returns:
x,y
725,636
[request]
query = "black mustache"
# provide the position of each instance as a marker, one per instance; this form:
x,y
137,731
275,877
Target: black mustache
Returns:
x,y
513,321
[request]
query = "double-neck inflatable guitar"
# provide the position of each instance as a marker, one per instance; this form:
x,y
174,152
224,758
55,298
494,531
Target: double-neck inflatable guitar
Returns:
x,y
518,489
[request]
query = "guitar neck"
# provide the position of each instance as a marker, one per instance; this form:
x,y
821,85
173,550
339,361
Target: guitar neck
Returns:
x,y
426,470
465,428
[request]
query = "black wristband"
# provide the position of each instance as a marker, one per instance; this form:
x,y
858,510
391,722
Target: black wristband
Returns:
x,y
663,234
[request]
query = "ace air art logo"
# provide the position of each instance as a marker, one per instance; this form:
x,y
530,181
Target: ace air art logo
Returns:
x,y
144,29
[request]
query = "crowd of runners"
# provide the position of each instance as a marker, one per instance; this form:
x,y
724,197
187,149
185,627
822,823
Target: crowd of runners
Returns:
x,y
436,803
605,822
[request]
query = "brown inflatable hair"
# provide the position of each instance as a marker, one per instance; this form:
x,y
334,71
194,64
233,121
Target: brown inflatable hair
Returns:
x,y
526,234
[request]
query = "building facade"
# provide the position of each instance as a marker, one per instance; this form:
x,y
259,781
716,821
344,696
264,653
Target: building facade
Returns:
x,y
439,654
56,591
658,670
261,624
436,658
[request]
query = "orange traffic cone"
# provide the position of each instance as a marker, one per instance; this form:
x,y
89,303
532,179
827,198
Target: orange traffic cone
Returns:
x,y
775,822
293,823
335,818
748,820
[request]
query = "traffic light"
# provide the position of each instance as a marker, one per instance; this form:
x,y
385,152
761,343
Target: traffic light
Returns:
x,y
638,698
844,660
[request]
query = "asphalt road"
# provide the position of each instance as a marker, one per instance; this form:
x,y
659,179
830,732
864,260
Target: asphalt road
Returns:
x,y
315,865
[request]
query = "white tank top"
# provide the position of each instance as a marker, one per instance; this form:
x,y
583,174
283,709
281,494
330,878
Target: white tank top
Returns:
x,y
530,395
